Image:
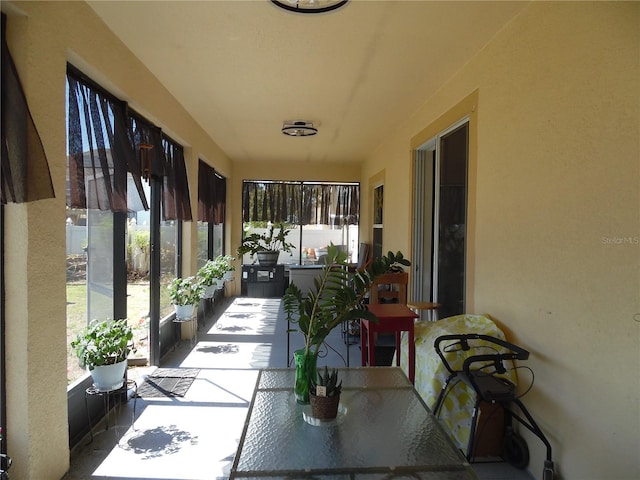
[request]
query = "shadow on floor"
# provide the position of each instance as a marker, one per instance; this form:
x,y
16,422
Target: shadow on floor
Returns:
x,y
196,436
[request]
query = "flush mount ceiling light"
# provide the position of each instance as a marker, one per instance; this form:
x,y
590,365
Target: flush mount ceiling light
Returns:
x,y
299,128
309,6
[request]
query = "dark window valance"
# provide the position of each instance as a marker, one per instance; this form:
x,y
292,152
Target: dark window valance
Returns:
x,y
162,159
24,169
112,149
212,194
176,204
101,151
271,202
301,202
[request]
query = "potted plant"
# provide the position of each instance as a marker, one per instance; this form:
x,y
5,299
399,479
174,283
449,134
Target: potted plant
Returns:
x,y
337,296
102,347
210,276
185,294
324,394
227,266
266,246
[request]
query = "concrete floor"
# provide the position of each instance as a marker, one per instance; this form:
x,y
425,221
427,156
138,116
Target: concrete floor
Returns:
x,y
196,436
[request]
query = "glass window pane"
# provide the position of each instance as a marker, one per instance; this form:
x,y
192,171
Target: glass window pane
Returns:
x,y
76,233
138,253
218,240
203,243
168,251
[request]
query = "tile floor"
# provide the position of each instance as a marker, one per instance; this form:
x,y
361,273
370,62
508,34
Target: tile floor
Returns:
x,y
195,437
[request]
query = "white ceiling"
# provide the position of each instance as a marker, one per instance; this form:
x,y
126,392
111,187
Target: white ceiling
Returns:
x,y
241,68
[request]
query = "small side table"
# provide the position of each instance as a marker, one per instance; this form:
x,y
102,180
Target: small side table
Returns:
x,y
392,317
430,307
106,395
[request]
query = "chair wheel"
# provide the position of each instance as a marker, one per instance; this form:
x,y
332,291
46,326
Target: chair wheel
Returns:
x,y
515,450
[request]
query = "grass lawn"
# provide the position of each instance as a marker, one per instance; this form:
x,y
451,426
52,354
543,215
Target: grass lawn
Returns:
x,y
137,306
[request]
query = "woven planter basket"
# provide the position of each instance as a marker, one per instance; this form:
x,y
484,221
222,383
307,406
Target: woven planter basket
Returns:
x,y
324,408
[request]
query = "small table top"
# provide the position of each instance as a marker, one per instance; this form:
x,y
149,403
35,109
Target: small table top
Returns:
x,y
391,310
383,430
423,305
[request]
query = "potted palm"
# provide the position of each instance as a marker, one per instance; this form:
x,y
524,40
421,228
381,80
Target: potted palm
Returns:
x,y
102,347
185,294
268,245
337,296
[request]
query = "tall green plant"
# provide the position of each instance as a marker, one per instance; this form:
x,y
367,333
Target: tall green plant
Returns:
x,y
337,296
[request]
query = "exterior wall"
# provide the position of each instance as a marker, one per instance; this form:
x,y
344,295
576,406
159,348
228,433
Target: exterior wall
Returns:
x,y
557,232
43,36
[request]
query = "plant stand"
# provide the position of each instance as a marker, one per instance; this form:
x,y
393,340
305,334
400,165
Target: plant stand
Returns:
x,y
92,391
192,322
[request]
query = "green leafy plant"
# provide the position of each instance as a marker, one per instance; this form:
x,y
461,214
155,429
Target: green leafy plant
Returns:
x,y
329,380
215,269
103,342
185,291
337,296
266,242
398,262
226,263
210,272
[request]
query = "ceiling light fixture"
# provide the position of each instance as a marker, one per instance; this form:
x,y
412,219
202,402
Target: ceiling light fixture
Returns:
x,y
299,128
309,6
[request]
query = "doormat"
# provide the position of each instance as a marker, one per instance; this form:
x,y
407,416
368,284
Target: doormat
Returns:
x,y
168,382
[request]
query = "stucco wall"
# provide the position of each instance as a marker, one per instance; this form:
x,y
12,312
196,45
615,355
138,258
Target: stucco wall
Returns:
x,y
43,36
557,231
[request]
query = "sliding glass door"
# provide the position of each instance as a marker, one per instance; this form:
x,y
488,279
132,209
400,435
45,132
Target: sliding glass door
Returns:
x,y
440,226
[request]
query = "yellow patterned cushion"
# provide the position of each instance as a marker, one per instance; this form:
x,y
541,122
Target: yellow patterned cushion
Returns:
x,y
431,374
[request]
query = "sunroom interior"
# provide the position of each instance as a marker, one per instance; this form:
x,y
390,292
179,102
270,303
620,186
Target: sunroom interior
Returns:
x,y
548,92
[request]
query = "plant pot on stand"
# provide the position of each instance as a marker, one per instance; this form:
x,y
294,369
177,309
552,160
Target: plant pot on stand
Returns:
x,y
109,377
185,312
268,258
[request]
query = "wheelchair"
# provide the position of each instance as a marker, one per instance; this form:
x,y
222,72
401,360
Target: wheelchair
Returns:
x,y
481,373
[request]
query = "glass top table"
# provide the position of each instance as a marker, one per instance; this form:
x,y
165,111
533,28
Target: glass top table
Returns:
x,y
383,431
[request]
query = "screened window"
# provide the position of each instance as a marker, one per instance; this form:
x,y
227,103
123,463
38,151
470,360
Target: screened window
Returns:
x,y
126,190
317,213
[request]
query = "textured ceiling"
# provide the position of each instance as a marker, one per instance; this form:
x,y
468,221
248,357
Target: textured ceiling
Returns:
x,y
241,68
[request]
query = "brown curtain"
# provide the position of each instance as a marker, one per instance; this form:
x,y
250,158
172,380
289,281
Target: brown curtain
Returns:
x,y
101,150
176,204
212,194
300,202
165,162
330,204
271,201
24,169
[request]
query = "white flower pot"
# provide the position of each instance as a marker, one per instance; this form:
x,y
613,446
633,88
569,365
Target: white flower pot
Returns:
x,y
185,311
219,283
209,291
109,377
228,276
